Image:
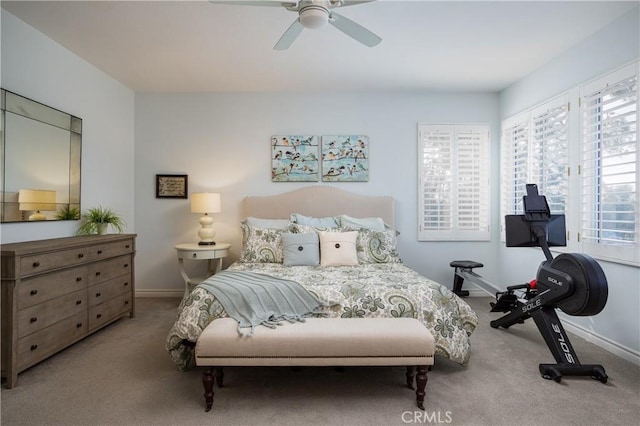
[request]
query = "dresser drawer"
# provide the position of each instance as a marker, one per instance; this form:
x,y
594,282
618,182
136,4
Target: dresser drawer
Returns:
x,y
41,288
43,262
108,290
44,314
109,269
105,312
43,343
106,250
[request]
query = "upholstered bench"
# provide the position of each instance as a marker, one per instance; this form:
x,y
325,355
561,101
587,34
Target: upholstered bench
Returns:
x,y
318,342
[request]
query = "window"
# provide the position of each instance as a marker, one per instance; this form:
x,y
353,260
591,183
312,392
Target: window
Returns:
x,y
535,150
454,172
599,140
609,166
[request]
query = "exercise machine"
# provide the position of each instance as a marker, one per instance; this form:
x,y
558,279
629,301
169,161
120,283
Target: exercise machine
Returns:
x,y
571,282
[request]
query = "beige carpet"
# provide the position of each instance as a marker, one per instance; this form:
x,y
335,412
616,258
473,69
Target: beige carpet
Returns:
x,y
123,376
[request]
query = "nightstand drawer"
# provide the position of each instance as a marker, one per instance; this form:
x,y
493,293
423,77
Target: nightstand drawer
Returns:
x,y
43,315
203,254
32,291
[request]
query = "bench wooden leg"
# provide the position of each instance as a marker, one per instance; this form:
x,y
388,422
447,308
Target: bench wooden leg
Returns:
x,y
208,382
219,373
421,383
411,373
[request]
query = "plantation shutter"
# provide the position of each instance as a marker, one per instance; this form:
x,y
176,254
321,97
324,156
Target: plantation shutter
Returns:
x,y
535,149
609,224
454,182
550,152
515,160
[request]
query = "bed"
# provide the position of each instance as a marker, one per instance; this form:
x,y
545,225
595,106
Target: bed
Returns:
x,y
377,284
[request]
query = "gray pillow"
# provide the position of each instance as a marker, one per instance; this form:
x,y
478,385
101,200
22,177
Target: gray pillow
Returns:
x,y
300,249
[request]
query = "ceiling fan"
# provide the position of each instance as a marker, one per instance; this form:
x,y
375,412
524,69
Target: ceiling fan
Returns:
x,y
314,14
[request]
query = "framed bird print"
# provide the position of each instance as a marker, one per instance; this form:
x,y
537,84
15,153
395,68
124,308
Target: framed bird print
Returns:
x,y
345,158
294,158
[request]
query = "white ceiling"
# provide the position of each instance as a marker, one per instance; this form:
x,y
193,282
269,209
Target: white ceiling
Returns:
x,y
197,46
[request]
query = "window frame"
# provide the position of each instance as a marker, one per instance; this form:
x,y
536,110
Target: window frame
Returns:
x,y
576,142
482,170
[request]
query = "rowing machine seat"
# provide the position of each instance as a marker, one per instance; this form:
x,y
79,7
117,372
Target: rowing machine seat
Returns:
x,y
465,264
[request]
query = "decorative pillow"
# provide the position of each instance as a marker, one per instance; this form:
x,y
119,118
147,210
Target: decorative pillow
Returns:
x,y
374,223
377,246
338,248
267,223
306,229
316,222
300,249
261,245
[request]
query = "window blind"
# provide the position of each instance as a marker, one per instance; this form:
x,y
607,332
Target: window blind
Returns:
x,y
609,175
454,182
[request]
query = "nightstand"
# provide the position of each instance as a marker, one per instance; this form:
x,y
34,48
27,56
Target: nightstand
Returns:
x,y
194,251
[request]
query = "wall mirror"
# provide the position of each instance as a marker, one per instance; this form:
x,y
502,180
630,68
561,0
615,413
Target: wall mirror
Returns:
x,y
40,156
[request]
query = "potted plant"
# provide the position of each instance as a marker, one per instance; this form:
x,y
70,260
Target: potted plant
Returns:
x,y
97,219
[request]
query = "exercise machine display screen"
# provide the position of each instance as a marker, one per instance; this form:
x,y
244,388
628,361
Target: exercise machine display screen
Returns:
x,y
519,231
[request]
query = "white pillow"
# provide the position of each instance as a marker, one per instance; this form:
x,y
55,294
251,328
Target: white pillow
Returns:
x,y
267,223
338,248
373,223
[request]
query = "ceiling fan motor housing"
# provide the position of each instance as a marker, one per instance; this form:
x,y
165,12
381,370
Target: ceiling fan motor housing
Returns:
x,y
314,16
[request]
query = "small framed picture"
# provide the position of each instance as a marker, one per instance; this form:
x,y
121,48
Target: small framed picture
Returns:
x,y
171,186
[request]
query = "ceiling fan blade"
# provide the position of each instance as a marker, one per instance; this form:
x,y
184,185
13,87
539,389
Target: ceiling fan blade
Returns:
x,y
289,36
353,30
345,3
286,4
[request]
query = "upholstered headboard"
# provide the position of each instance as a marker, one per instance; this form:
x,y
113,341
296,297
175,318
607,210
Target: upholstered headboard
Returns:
x,y
320,201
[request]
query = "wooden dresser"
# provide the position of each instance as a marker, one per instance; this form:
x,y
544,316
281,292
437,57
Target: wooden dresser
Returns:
x,y
57,291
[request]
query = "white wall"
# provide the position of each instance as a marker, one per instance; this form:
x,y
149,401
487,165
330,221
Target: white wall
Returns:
x,y
616,45
36,67
222,142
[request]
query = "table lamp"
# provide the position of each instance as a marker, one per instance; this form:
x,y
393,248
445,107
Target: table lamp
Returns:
x,y
206,202
38,200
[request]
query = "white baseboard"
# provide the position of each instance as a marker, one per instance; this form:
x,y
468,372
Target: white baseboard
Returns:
x,y
159,293
607,344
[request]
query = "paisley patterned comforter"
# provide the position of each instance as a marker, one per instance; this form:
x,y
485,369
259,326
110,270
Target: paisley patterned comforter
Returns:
x,y
372,290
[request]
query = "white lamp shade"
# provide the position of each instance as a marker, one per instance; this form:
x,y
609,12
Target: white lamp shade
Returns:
x,y
37,199
205,202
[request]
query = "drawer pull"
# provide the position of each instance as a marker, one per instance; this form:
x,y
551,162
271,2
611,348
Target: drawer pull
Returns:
x,y
78,279
194,255
34,347
98,274
78,302
126,265
127,246
80,255
98,294
33,292
126,284
36,264
98,316
78,325
33,319
99,251
126,302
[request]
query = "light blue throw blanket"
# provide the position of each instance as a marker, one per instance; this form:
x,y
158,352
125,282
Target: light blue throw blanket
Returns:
x,y
257,299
